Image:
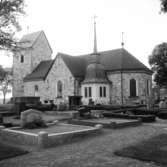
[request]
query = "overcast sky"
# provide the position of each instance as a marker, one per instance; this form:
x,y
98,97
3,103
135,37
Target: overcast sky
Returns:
x,y
68,25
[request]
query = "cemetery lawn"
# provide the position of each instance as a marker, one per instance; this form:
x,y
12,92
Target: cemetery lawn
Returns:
x,y
153,149
95,151
7,151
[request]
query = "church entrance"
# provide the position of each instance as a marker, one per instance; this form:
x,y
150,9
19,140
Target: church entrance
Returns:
x,y
74,101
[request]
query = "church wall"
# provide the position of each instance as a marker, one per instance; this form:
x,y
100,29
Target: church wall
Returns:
x,y
60,72
141,84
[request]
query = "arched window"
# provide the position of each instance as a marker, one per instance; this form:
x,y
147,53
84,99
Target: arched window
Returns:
x,y
132,88
59,89
148,87
22,59
36,89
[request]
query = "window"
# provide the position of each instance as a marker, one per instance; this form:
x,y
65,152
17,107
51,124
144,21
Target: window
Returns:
x,y
86,94
59,89
148,87
22,59
101,94
132,88
102,91
36,89
90,92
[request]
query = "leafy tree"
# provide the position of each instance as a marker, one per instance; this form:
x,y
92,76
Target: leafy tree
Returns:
x,y
10,11
158,62
5,82
163,5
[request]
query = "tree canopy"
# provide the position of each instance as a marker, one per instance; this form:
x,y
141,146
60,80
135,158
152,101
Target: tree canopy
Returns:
x,y
10,11
158,62
163,5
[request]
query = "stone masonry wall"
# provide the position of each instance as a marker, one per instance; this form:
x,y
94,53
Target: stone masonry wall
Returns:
x,y
60,72
20,70
48,88
141,84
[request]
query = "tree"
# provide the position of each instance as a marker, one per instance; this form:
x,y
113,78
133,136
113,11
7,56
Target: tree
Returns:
x,y
10,11
163,6
5,82
158,62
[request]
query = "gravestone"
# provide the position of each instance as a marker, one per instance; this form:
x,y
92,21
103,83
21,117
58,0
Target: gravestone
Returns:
x,y
32,119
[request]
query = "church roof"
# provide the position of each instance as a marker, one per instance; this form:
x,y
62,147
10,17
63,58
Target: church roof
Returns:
x,y
29,39
95,73
40,72
112,60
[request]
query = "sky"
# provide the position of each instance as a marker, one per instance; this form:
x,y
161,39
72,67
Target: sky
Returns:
x,y
68,25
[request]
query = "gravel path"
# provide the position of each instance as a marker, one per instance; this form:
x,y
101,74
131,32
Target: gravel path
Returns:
x,y
96,151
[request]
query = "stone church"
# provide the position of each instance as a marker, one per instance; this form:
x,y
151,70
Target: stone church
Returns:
x,y
107,77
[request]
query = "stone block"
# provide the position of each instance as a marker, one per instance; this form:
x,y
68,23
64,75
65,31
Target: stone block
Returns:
x,y
42,139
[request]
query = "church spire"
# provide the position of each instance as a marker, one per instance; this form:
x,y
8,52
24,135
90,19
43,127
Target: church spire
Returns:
x,y
95,39
122,43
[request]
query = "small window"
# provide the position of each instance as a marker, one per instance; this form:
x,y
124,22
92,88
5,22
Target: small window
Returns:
x,y
59,89
148,87
101,93
132,88
22,59
36,90
90,92
104,91
86,94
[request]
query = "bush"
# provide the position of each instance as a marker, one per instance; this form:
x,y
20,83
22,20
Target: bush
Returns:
x,y
162,115
35,124
144,118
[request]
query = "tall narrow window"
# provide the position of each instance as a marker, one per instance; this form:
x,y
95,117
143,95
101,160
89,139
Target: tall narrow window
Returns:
x,y
101,92
132,88
148,87
36,89
90,92
86,94
59,89
104,91
22,59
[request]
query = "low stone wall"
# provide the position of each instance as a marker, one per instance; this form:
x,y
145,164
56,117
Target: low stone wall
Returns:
x,y
112,124
43,139
19,137
66,137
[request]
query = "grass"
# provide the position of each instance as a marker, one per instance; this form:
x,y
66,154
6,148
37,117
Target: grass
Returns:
x,y
7,151
153,149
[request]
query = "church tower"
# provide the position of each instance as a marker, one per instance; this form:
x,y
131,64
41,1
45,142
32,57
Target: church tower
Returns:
x,y
95,86
35,49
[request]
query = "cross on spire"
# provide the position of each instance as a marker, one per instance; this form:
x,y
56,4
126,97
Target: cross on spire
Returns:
x,y
95,39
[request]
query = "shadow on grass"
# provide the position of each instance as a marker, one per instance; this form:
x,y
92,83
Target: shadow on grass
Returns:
x,y
7,151
153,149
